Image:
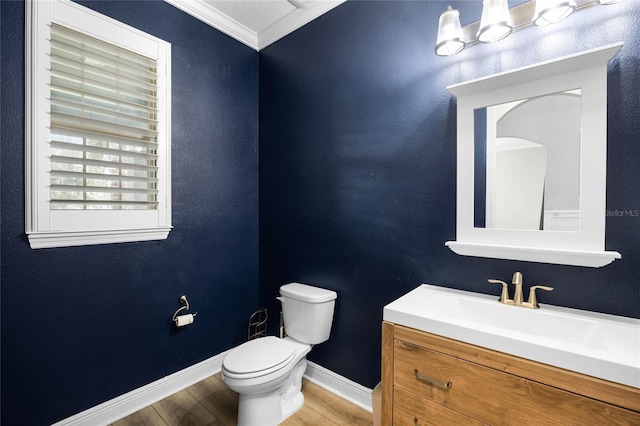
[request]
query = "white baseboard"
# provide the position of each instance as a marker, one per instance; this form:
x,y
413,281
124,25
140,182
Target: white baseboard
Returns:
x,y
339,385
117,408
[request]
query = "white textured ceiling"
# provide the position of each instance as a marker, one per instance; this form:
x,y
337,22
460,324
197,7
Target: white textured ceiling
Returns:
x,y
254,14
256,23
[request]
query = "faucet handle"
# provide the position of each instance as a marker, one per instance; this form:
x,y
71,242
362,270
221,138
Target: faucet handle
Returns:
x,y
504,296
533,301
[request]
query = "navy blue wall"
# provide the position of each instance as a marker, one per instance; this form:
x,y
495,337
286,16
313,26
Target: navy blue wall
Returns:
x,y
357,194
86,324
357,164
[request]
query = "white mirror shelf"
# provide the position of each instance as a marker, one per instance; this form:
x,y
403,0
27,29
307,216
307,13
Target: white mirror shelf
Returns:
x,y
583,242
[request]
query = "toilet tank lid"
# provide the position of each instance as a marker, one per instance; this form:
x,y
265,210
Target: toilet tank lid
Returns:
x,y
307,293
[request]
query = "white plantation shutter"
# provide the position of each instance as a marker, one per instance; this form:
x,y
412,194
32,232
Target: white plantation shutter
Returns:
x,y
103,125
97,129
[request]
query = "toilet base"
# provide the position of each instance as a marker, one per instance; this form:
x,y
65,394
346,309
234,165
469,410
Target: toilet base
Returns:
x,y
291,396
267,410
290,407
259,410
272,408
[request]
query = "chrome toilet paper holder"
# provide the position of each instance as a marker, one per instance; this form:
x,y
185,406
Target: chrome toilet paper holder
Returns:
x,y
185,302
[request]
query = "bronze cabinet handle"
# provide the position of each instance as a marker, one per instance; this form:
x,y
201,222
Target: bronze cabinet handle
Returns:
x,y
431,381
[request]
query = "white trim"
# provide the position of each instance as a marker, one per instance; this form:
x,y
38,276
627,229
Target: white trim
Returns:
x,y
38,240
339,385
131,402
307,12
117,408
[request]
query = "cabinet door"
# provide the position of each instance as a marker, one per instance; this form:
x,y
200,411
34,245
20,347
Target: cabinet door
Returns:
x,y
410,409
493,396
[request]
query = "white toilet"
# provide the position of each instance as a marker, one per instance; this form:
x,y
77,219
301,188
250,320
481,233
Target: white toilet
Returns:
x,y
267,372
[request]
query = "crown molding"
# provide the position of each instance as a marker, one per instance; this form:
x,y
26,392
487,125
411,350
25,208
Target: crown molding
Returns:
x,y
310,10
307,12
210,16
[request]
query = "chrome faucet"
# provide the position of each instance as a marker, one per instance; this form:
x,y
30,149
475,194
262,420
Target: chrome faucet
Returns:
x,y
517,300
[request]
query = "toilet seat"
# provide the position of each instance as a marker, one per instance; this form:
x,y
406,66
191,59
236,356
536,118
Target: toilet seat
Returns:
x,y
258,357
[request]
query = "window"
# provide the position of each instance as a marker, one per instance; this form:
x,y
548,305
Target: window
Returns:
x,y
97,129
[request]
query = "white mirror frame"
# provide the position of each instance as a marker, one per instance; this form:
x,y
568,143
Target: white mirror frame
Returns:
x,y
587,71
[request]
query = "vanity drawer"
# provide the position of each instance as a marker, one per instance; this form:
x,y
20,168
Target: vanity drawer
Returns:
x,y
411,410
493,396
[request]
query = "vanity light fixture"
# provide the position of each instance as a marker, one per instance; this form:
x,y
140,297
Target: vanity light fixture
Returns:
x,y
449,40
552,11
498,21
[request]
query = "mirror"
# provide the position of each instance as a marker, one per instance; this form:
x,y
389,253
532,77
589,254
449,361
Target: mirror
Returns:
x,y
527,163
531,162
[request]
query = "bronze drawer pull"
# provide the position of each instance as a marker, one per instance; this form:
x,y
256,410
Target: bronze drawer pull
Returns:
x,y
432,382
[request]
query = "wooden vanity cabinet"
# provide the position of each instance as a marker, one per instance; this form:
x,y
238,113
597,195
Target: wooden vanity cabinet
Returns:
x,y
433,380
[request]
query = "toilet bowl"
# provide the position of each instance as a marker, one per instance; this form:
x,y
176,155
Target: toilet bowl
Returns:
x,y
267,372
269,385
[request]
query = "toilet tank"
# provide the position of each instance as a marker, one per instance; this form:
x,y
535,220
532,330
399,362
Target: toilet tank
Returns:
x,y
307,312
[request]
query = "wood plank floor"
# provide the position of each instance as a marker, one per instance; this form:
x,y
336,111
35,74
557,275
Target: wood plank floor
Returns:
x,y
211,403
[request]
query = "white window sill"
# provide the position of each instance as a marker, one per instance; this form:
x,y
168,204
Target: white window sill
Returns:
x,y
39,240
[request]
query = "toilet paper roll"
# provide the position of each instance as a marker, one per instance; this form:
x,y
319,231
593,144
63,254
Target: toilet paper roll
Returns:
x,y
183,320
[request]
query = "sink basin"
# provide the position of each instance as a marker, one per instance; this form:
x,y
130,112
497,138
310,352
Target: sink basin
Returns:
x,y
529,323
600,345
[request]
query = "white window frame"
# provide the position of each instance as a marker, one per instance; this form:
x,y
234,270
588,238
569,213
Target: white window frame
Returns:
x,y
60,228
